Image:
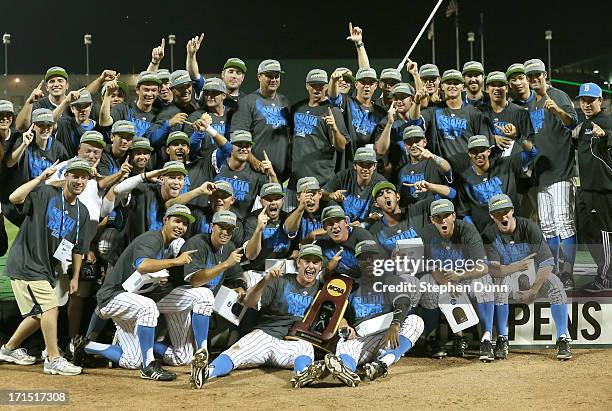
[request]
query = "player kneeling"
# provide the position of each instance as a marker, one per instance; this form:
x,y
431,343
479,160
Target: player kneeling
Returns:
x,y
283,300
373,347
510,243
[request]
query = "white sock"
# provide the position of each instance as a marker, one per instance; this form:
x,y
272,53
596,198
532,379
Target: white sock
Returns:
x,y
486,336
388,359
94,346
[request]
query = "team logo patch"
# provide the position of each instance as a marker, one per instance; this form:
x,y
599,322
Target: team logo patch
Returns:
x,y
336,287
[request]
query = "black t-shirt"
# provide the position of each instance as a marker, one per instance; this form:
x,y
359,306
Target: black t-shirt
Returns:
x,y
365,303
411,172
449,130
219,123
109,164
207,257
203,224
283,302
397,155
313,151
308,222
357,201
166,114
526,239
145,210
246,184
49,218
267,119
275,242
511,114
69,133
594,155
465,244
555,161
412,221
348,262
129,111
45,102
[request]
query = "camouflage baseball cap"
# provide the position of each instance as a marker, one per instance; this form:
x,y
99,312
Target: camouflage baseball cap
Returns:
x,y
307,184
311,250
79,164
241,136
179,77
391,74
174,167
472,66
348,74
147,77
364,73
56,71
499,202
223,186
224,217
6,107
496,77
269,66
478,141
235,63
429,71
93,136
84,98
364,155
516,68
317,76
163,75
333,211
367,247
413,132
452,75
141,143
441,206
382,186
123,126
215,84
42,115
180,210
178,136
402,89
269,189
534,66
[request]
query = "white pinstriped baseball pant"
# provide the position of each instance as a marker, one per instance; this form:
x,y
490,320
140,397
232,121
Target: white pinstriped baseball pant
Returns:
x,y
258,348
430,299
366,349
552,288
556,204
129,310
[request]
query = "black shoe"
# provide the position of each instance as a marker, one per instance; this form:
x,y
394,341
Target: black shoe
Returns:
x,y
376,369
567,280
501,348
433,349
486,351
154,371
564,350
79,355
459,346
598,285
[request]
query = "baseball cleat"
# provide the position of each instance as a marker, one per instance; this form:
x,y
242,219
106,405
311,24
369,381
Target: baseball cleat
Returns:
x,y
79,354
433,348
501,348
376,369
459,346
486,351
154,371
199,369
340,371
313,373
564,350
17,356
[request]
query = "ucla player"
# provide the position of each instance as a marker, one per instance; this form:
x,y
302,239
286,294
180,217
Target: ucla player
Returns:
x,y
305,220
509,243
381,349
282,300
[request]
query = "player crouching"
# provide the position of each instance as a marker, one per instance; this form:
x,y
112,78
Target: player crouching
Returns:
x,y
283,299
376,349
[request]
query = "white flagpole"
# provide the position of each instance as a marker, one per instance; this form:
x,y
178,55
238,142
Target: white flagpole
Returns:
x,y
418,37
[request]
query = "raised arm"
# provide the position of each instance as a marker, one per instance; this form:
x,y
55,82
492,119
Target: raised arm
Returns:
x,y
15,155
157,54
22,122
70,98
21,193
253,295
356,36
96,85
191,62
384,141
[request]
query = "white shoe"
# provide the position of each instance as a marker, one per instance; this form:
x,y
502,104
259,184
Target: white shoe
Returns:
x,y
61,366
44,354
17,356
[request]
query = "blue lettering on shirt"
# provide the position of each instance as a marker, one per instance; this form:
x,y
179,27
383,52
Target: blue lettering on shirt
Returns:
x,y
241,187
388,243
186,185
155,223
355,208
307,225
348,261
485,190
367,306
140,124
60,227
410,179
444,254
212,284
363,121
496,130
537,118
510,253
273,114
275,239
297,304
304,123
204,226
450,127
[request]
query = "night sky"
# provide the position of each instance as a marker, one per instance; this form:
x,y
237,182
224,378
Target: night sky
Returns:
x,y
48,33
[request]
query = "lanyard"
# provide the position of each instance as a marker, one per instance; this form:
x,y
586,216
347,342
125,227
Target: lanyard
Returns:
x,y
78,222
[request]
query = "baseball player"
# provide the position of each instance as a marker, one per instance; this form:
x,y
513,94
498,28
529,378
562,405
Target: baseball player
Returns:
x,y
510,243
165,96
376,352
234,71
338,244
140,155
187,309
595,163
346,80
479,177
70,128
455,241
282,300
305,220
552,117
389,77
473,76
430,77
122,134
353,187
54,231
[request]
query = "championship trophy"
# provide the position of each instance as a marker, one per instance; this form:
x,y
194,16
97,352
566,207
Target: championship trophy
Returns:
x,y
320,324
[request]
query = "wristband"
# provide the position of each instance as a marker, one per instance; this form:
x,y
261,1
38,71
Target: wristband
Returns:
x,y
211,130
359,45
437,160
154,63
144,177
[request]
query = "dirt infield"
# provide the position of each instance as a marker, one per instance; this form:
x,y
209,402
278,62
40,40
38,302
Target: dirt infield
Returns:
x,y
527,380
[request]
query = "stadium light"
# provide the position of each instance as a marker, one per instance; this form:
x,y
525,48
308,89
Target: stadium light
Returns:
x,y
6,39
172,42
87,42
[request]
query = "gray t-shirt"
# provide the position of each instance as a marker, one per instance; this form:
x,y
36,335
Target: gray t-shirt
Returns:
x,y
246,184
